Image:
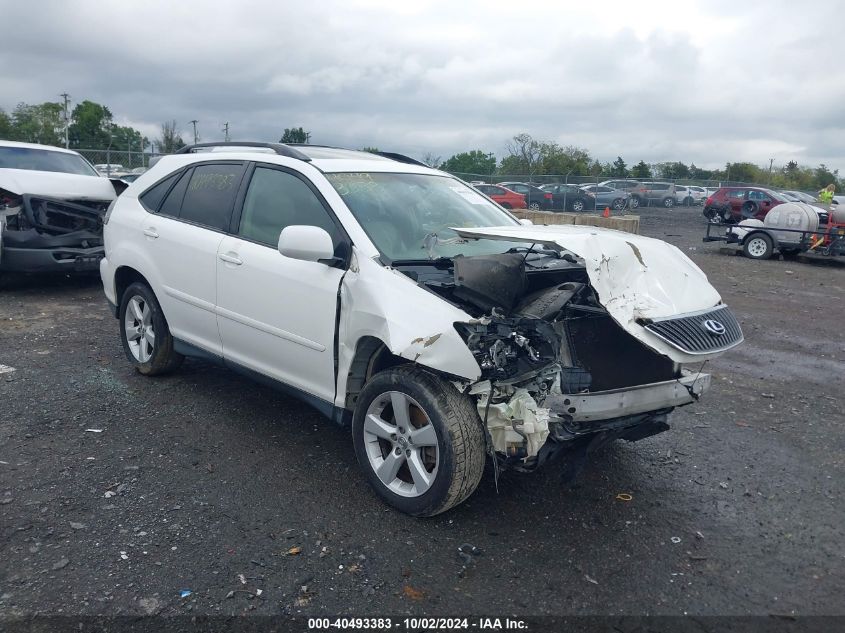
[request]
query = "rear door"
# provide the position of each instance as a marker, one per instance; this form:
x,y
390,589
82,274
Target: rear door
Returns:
x,y
277,315
182,238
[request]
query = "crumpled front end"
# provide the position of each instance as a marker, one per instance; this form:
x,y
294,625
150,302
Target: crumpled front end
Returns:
x,y
45,233
569,357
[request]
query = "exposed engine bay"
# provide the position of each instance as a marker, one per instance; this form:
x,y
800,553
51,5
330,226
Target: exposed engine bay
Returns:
x,y
557,371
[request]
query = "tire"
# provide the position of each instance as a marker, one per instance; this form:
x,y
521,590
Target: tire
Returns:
x,y
790,253
454,454
749,209
534,206
506,205
668,202
618,204
635,202
758,246
577,206
141,315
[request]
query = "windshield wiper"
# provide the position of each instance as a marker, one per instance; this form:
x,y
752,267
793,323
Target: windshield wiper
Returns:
x,y
438,261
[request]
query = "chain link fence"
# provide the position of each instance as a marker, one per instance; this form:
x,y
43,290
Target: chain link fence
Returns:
x,y
113,161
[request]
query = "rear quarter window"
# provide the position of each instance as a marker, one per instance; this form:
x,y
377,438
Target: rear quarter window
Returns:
x,y
152,197
210,195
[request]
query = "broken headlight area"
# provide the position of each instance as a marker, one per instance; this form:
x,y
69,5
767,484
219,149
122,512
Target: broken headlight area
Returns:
x,y
41,233
555,366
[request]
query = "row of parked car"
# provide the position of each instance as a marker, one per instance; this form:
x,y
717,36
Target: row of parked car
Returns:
x,y
616,194
720,204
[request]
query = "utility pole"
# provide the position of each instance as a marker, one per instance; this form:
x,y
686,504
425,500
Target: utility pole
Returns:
x,y
226,131
771,162
66,96
196,138
307,138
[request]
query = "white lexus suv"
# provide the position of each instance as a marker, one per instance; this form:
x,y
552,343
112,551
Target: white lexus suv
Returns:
x,y
398,300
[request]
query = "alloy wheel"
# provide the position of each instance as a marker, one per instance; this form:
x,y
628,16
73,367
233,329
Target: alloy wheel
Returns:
x,y
401,444
138,324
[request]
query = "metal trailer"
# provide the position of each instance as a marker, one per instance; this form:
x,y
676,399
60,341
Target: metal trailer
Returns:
x,y
760,242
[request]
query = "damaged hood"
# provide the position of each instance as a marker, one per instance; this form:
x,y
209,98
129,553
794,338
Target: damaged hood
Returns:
x,y
635,277
56,184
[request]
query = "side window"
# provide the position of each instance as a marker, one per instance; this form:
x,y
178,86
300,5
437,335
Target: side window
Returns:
x,y
210,195
496,191
276,199
173,202
152,197
757,195
736,193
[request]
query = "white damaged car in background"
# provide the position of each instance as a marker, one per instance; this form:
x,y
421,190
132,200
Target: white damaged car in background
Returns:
x,y
398,299
52,204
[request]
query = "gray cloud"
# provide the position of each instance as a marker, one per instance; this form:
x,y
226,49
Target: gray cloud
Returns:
x,y
702,81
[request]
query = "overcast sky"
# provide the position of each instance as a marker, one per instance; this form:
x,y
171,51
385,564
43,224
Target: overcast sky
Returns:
x,y
698,81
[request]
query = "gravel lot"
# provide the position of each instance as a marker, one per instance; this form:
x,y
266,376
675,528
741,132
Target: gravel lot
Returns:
x,y
205,481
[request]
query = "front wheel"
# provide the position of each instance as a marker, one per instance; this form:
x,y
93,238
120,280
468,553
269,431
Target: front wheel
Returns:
x,y
418,440
618,204
635,202
506,205
668,202
534,206
577,205
144,332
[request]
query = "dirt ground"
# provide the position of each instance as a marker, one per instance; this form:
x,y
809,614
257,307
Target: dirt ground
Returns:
x,y
206,482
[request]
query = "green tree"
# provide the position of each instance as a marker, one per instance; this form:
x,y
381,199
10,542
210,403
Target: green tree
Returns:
x,y
672,170
295,135
43,123
825,177
372,150
619,169
641,170
5,125
524,156
564,161
475,163
743,172
91,126
170,139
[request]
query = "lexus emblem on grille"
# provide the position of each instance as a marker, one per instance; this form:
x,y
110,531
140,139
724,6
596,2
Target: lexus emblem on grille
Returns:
x,y
714,327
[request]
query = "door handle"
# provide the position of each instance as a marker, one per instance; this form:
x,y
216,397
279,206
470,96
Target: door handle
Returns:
x,y
151,232
231,258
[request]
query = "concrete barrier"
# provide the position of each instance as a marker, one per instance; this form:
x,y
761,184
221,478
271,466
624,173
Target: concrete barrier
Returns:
x,y
627,223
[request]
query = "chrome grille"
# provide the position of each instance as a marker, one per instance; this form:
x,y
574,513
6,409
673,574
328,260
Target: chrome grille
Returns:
x,y
690,333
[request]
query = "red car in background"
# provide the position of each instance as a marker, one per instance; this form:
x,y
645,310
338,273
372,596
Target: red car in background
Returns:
x,y
502,195
734,204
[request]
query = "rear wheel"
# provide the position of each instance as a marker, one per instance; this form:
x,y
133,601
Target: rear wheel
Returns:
x,y
577,205
419,440
758,246
144,332
506,205
534,206
668,202
635,202
618,204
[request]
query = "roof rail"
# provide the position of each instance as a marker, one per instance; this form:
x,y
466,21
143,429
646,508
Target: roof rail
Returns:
x,y
279,148
401,158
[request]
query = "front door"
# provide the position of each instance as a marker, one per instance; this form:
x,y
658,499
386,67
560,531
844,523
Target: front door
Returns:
x,y
277,315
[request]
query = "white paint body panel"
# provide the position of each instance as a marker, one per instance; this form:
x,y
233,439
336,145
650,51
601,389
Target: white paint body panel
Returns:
x,y
56,185
277,315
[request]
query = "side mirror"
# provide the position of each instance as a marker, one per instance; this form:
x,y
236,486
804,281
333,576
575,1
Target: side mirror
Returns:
x,y
526,222
308,243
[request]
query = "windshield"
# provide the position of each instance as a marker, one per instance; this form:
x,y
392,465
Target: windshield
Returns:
x,y
44,160
409,216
